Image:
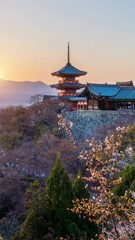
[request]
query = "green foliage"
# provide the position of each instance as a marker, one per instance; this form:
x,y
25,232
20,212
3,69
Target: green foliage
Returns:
x,y
86,228
59,194
56,131
33,197
38,215
48,213
59,187
74,230
34,226
79,187
8,141
128,175
129,137
132,186
128,181
40,128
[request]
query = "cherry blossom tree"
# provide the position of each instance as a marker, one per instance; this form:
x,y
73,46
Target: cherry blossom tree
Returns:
x,y
113,214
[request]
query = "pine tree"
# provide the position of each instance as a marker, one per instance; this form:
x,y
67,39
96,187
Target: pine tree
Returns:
x,y
59,190
33,196
79,188
59,194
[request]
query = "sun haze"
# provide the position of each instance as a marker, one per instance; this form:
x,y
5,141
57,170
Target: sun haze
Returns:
x,y
34,36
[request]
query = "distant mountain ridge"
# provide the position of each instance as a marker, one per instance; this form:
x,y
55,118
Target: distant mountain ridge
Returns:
x,y
18,93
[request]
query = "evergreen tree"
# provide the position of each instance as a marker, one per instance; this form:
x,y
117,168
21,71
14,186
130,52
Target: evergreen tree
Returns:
x,y
33,196
49,215
59,190
79,188
59,195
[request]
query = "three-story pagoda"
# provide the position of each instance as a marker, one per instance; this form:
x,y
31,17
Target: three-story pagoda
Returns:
x,y
68,83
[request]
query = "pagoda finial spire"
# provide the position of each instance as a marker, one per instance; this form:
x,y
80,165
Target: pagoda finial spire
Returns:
x,y
68,53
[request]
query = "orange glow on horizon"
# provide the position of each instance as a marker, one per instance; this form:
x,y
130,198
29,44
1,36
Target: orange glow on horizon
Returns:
x,y
2,74
36,69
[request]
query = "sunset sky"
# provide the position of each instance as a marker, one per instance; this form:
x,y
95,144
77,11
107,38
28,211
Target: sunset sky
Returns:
x,y
34,36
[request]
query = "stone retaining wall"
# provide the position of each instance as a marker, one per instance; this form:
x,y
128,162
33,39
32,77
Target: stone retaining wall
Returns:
x,y
85,124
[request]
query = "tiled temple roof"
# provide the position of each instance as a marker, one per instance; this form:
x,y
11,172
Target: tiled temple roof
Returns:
x,y
126,83
125,94
69,70
113,91
105,90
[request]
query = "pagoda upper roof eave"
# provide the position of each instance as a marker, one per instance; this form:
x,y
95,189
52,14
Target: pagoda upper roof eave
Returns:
x,y
67,75
69,70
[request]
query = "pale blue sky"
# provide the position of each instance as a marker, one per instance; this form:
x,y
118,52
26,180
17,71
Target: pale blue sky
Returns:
x,y
34,36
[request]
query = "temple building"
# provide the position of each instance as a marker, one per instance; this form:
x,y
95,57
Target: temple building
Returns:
x,y
92,96
108,96
68,85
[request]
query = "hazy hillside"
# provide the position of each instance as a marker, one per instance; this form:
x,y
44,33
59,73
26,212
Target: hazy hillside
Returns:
x,y
18,93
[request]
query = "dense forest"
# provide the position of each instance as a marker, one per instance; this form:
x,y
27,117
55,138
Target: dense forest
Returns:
x,y
52,188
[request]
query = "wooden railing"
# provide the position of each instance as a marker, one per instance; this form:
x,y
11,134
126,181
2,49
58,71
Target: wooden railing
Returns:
x,y
68,81
114,112
126,111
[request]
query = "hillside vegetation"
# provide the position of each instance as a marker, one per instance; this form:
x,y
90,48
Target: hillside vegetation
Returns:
x,y
30,139
41,198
